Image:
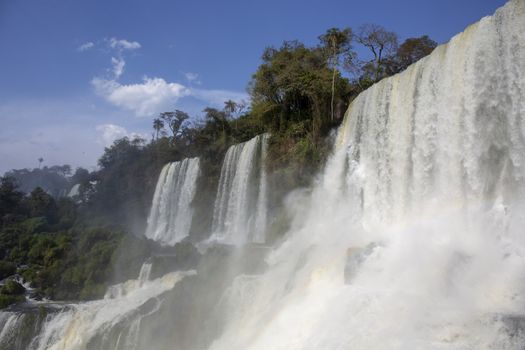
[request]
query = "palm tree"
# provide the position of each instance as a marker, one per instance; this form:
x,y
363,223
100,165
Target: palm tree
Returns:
x,y
40,160
230,107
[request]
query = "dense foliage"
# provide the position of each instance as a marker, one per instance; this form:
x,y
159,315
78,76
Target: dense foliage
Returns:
x,y
43,241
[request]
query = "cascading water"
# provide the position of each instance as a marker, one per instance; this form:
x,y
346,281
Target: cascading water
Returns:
x,y
111,323
411,238
240,211
171,212
423,202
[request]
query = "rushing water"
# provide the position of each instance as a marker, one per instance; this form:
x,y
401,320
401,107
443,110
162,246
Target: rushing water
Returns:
x,y
171,212
240,212
412,237
422,201
111,323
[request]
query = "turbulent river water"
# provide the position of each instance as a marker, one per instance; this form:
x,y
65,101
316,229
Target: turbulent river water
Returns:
x,y
411,238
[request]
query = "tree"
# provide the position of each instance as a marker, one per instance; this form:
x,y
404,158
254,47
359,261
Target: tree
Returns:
x,y
381,43
337,43
174,121
293,85
40,160
81,175
10,196
158,125
241,106
42,204
412,50
230,107
218,117
122,151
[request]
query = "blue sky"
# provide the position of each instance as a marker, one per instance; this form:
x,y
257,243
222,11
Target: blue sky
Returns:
x,y
76,74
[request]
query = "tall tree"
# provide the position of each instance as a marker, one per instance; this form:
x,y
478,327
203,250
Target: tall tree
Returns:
x,y
293,86
175,121
217,116
241,106
41,204
158,125
40,160
230,107
412,50
10,197
337,43
381,42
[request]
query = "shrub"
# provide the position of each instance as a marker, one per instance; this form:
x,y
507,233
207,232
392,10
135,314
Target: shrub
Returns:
x,y
6,269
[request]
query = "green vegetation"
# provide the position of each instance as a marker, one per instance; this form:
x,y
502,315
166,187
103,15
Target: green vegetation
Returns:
x,y
11,292
6,300
71,248
44,241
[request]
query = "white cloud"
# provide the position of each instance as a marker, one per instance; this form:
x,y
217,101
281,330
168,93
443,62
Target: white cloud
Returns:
x,y
192,77
123,44
148,98
85,46
154,95
111,132
118,66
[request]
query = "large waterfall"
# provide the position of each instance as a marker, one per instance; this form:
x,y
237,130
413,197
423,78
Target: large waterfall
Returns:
x,y
240,212
171,213
411,238
421,205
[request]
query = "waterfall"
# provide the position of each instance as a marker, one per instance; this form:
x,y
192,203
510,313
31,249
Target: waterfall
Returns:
x,y
111,323
449,130
413,236
119,290
240,211
171,213
10,324
145,272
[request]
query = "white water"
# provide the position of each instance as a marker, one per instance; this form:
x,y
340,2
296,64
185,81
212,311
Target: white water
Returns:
x,y
426,180
145,272
9,323
240,211
171,212
120,290
78,324
75,190
428,166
